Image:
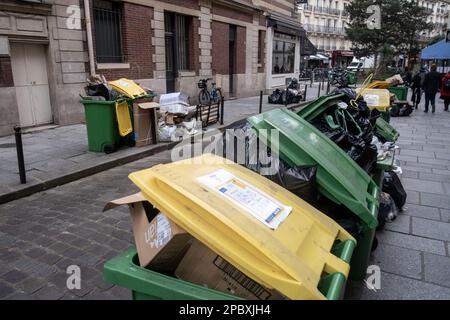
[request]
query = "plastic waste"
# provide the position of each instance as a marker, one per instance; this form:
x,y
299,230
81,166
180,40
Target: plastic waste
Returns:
x,y
393,186
388,211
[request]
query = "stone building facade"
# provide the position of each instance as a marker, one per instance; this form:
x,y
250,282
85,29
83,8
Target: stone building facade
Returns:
x,y
46,56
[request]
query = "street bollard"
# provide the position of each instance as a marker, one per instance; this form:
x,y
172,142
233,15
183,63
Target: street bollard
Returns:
x,y
19,148
222,107
328,86
306,91
318,90
260,101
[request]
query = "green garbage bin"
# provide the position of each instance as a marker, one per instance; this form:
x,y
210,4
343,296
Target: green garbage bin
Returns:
x,y
145,284
325,103
101,124
400,92
339,178
351,77
387,131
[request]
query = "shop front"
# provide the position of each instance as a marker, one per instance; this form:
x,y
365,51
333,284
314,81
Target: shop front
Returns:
x,y
284,38
341,58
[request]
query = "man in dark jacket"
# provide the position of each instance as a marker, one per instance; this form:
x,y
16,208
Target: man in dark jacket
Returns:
x,y
416,85
430,86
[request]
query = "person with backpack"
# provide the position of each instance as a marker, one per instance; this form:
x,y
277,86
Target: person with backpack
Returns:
x,y
445,90
416,86
431,85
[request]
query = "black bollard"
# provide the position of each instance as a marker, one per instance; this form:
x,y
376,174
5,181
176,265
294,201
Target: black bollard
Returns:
x,y
306,91
222,107
260,101
328,86
19,148
318,90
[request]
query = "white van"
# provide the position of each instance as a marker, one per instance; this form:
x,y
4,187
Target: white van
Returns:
x,y
361,64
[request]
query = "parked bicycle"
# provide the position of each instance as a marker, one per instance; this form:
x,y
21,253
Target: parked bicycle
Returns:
x,y
206,97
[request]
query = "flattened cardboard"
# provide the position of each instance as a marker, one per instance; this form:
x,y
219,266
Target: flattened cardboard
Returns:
x,y
204,267
160,243
144,119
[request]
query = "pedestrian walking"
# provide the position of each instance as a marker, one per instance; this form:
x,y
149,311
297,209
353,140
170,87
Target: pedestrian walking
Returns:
x,y
416,86
431,86
445,90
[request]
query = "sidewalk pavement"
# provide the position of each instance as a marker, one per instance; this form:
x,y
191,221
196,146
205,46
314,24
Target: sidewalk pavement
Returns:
x,y
60,155
42,234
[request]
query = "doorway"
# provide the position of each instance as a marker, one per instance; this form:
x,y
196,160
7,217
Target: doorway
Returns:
x,y
232,58
29,66
177,46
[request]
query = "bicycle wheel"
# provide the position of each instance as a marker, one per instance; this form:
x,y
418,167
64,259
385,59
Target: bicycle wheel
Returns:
x,y
204,98
219,96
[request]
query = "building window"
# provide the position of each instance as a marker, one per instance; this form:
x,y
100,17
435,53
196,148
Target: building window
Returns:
x,y
107,26
260,46
177,29
283,56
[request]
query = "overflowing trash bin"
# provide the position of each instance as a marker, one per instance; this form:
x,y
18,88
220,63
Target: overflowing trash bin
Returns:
x,y
252,230
109,112
339,178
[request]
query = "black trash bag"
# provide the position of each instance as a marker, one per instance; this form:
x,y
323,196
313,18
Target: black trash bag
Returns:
x,y
395,111
374,115
102,90
300,180
276,97
362,152
405,111
393,186
364,155
387,211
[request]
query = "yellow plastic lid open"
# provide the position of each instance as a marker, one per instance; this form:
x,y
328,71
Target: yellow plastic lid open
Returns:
x,y
268,233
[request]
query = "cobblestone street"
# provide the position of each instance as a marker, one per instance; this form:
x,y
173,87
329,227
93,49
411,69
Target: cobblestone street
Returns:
x,y
42,234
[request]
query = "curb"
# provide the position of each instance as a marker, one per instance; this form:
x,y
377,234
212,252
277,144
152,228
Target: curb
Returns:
x,y
76,175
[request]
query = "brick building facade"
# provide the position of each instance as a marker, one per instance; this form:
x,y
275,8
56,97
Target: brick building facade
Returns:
x,y
164,45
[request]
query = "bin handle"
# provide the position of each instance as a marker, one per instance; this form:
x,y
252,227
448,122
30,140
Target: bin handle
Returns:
x,y
332,286
374,194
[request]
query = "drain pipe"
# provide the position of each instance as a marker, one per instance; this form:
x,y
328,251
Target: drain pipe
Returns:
x,y
87,17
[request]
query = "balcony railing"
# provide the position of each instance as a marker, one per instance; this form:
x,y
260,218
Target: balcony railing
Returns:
x,y
324,29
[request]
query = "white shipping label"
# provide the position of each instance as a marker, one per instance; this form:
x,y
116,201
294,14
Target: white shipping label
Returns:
x,y
260,205
372,100
159,232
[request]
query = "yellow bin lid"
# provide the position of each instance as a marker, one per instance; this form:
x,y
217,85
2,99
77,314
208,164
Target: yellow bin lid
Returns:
x,y
128,87
379,85
268,233
377,98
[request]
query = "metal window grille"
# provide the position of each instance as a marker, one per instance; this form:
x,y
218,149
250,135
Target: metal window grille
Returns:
x,y
108,35
177,35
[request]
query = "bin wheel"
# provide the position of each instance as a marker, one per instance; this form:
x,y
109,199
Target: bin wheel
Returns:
x,y
109,148
374,244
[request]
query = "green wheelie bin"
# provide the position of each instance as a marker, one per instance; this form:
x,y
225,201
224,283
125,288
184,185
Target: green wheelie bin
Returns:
x,y
102,131
339,178
145,284
400,92
102,123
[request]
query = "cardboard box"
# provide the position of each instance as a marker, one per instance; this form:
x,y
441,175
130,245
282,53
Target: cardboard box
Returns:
x,y
204,267
145,123
160,243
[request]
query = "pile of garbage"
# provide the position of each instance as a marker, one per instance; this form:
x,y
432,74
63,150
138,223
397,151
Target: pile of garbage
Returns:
x,y
292,94
98,88
176,117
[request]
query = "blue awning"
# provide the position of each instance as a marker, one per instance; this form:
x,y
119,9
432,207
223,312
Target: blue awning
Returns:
x,y
437,51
